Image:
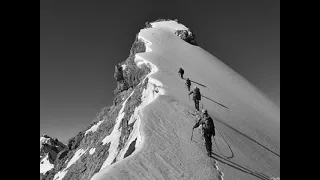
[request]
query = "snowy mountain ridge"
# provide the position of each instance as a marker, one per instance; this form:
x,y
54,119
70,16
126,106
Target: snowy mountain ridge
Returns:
x,y
49,151
145,134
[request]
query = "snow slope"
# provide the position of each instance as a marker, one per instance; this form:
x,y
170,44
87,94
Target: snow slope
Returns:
x,y
247,142
45,165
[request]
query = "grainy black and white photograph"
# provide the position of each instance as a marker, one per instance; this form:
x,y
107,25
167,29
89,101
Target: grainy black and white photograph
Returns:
x,y
160,90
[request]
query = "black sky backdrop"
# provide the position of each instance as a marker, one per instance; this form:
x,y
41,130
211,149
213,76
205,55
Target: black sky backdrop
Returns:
x,y
82,41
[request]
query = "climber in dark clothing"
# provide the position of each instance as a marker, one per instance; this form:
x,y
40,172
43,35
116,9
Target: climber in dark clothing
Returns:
x,y
196,97
188,84
208,129
181,72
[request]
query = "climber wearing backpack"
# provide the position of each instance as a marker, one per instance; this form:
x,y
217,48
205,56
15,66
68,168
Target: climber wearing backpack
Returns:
x,y
181,72
188,84
208,129
196,96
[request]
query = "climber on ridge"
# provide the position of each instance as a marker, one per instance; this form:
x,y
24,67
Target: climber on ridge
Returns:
x,y
208,129
181,72
188,84
196,97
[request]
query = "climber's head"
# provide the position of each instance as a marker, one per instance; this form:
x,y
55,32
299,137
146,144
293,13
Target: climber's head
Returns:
x,y
204,111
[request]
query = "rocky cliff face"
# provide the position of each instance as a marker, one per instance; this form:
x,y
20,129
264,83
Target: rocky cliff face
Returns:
x,y
110,138
50,150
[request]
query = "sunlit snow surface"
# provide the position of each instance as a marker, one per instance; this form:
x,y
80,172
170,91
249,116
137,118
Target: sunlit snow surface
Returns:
x,y
45,165
162,127
94,127
171,25
44,140
92,150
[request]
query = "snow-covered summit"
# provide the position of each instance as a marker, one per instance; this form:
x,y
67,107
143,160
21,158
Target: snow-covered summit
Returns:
x,y
169,24
145,134
175,27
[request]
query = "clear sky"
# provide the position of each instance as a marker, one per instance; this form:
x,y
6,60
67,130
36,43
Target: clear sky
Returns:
x,y
82,41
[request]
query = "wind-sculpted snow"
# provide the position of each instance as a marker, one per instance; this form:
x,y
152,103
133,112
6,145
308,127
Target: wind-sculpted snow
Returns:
x,y
114,137
148,95
146,133
154,89
247,145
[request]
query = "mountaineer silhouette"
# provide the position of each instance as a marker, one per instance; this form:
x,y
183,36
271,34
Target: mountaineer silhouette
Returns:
x,y
181,72
196,97
208,129
188,84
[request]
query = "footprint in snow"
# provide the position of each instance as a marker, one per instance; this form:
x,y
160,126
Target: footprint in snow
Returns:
x,y
214,162
220,175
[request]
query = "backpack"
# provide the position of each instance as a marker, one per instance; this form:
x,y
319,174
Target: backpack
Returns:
x,y
188,83
196,94
208,125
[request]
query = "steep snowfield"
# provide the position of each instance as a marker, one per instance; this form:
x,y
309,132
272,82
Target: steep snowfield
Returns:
x,y
114,137
247,142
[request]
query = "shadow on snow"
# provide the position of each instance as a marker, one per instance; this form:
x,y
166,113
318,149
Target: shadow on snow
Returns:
x,y
222,122
239,167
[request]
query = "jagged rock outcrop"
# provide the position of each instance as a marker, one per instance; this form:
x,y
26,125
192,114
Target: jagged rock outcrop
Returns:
x,y
187,36
86,153
50,149
50,146
132,75
145,133
87,165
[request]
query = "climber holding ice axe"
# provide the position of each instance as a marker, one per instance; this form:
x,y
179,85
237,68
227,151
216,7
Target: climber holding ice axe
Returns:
x,y
208,129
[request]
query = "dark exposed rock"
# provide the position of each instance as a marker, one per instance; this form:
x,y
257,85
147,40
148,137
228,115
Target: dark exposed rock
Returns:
x,y
50,147
74,142
48,175
88,164
132,74
187,36
62,154
130,149
118,74
133,102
